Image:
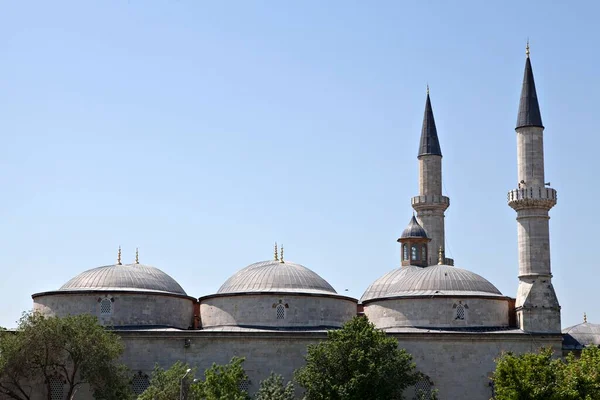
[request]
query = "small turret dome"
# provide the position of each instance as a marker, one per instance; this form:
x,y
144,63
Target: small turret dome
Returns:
x,y
276,276
582,335
129,277
414,230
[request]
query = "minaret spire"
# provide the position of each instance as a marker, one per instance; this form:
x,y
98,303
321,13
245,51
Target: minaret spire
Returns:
x,y
430,204
529,108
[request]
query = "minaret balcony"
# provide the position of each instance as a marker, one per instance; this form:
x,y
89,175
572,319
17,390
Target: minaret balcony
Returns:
x,y
533,197
430,201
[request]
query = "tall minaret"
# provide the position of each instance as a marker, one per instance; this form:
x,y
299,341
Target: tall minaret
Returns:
x,y
430,204
536,306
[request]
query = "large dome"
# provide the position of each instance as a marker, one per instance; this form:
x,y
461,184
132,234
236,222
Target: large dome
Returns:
x,y
435,280
134,277
276,276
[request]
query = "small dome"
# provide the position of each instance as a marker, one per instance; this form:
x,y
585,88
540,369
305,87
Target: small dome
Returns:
x,y
276,276
414,230
579,336
135,277
430,281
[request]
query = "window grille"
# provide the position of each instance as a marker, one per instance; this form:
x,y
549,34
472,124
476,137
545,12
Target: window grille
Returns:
x,y
424,253
280,311
405,251
140,383
460,312
105,307
423,389
57,389
244,385
414,253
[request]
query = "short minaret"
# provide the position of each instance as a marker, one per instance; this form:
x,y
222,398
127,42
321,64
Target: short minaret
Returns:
x,y
430,204
536,305
414,242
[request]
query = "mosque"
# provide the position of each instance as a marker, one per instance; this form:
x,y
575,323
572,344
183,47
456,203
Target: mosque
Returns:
x,y
453,321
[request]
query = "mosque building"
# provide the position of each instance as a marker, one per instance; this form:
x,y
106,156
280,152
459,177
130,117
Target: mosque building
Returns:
x,y
453,321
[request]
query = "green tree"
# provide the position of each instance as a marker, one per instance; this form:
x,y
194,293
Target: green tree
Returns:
x,y
272,388
222,382
357,362
168,384
580,377
75,350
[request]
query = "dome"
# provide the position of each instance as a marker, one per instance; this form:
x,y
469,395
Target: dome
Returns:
x,y
276,276
136,277
414,230
435,280
580,336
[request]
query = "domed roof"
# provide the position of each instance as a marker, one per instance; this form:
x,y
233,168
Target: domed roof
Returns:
x,y
580,336
276,276
435,280
414,230
136,277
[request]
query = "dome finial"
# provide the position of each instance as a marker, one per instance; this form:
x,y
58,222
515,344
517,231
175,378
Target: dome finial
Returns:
x,y
441,256
281,258
119,256
276,256
584,318
527,48
137,256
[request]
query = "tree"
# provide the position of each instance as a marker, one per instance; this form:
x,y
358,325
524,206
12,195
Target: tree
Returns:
x,y
74,350
272,389
357,362
222,382
168,384
580,377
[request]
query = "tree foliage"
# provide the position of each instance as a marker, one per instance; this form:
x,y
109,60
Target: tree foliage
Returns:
x,y
75,350
357,362
167,384
272,388
540,376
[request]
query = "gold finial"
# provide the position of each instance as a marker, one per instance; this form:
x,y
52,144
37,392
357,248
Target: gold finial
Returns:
x,y
441,256
527,48
275,254
428,89
119,256
137,256
281,258
584,318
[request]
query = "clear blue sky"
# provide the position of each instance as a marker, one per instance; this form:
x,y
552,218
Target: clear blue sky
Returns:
x,y
202,132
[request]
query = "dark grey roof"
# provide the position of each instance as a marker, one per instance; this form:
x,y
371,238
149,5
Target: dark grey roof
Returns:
x,y
435,280
580,336
529,108
414,230
135,277
275,276
430,144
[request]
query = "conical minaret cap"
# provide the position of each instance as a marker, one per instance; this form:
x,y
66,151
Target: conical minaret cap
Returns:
x,y
430,145
414,230
529,108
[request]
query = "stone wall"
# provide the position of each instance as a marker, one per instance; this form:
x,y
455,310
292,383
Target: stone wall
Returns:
x,y
263,310
127,308
439,312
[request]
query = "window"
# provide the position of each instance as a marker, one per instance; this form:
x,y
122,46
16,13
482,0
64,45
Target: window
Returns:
x,y
280,311
140,383
57,388
105,306
405,251
423,389
424,253
414,253
244,385
460,312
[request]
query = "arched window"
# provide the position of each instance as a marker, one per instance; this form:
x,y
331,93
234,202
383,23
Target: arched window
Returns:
x,y
105,306
414,253
424,389
460,312
405,251
424,253
140,383
57,389
244,385
280,311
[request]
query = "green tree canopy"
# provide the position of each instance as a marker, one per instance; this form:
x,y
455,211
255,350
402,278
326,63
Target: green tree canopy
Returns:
x,y
74,350
168,384
357,362
272,388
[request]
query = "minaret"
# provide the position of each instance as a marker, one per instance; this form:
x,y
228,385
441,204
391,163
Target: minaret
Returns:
x,y
430,204
536,305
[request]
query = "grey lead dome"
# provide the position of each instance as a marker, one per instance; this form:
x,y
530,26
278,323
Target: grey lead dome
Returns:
x,y
430,281
275,276
135,277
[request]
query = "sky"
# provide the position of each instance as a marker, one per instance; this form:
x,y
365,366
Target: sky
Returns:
x,y
203,132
